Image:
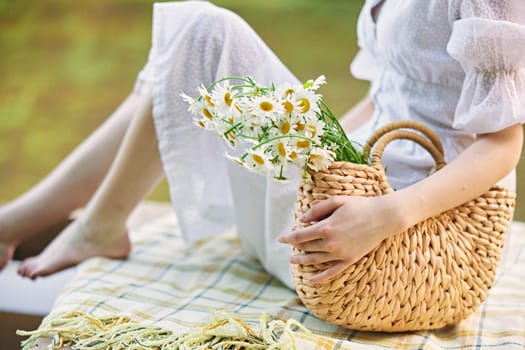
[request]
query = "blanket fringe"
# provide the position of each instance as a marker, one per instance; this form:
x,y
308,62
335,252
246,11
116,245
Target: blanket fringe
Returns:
x,y
80,331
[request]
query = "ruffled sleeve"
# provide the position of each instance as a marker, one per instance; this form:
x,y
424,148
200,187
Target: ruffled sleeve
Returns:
x,y
492,54
365,66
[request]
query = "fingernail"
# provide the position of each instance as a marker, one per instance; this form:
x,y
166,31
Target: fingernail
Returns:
x,y
281,239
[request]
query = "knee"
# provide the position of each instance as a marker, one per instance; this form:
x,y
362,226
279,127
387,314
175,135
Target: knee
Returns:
x,y
213,25
217,19
204,39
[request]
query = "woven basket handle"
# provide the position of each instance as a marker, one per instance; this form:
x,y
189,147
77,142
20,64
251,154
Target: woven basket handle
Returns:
x,y
426,138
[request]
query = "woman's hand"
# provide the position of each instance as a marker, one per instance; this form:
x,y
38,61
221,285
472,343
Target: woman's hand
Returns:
x,y
343,229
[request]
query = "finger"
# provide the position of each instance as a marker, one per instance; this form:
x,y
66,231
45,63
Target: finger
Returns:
x,y
311,258
322,209
302,235
315,246
329,274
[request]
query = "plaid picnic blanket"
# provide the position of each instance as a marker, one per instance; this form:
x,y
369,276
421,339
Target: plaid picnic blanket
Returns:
x,y
177,287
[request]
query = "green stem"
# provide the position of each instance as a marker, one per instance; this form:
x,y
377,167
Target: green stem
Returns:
x,y
247,80
345,150
292,136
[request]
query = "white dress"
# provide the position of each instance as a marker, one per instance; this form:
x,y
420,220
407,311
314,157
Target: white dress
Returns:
x,y
194,43
455,65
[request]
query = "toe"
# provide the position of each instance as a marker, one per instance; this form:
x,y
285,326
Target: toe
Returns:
x,y
25,267
21,269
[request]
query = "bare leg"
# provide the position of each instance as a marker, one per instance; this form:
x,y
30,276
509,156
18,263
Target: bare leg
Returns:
x,y
69,186
101,230
358,115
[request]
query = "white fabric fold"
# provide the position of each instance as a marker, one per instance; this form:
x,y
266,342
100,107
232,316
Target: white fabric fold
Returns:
x,y
365,66
492,54
194,43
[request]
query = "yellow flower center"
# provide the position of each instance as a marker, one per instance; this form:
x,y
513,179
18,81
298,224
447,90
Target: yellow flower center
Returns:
x,y
299,126
313,129
289,92
201,124
208,99
314,156
228,99
303,144
293,155
238,108
281,149
285,128
207,114
288,106
258,159
266,106
305,105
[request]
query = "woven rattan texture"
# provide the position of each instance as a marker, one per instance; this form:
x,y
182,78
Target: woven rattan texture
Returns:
x,y
433,275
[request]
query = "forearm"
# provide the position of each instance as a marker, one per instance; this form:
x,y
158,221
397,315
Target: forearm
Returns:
x,y
358,115
472,173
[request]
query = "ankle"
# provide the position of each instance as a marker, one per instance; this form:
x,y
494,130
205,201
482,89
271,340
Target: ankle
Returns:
x,y
100,226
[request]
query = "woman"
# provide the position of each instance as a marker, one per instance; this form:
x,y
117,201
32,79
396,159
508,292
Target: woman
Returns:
x,y
455,65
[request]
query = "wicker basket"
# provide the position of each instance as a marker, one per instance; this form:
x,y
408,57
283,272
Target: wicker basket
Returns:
x,y
433,275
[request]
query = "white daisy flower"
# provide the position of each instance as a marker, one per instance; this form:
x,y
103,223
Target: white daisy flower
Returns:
x,y
307,101
265,106
206,97
299,125
280,150
291,105
315,84
286,90
206,113
223,99
314,128
234,159
202,123
283,124
297,158
195,106
320,158
303,145
258,162
231,139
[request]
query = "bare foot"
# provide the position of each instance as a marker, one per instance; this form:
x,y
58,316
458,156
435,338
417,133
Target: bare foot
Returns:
x,y
75,244
17,224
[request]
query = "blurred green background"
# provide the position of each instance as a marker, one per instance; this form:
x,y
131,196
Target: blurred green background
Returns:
x,y
65,65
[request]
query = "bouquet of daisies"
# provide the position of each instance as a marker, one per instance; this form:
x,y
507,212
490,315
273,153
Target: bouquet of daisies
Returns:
x,y
275,126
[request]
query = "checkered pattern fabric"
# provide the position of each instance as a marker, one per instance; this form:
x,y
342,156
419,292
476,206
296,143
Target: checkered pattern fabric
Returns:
x,y
177,287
